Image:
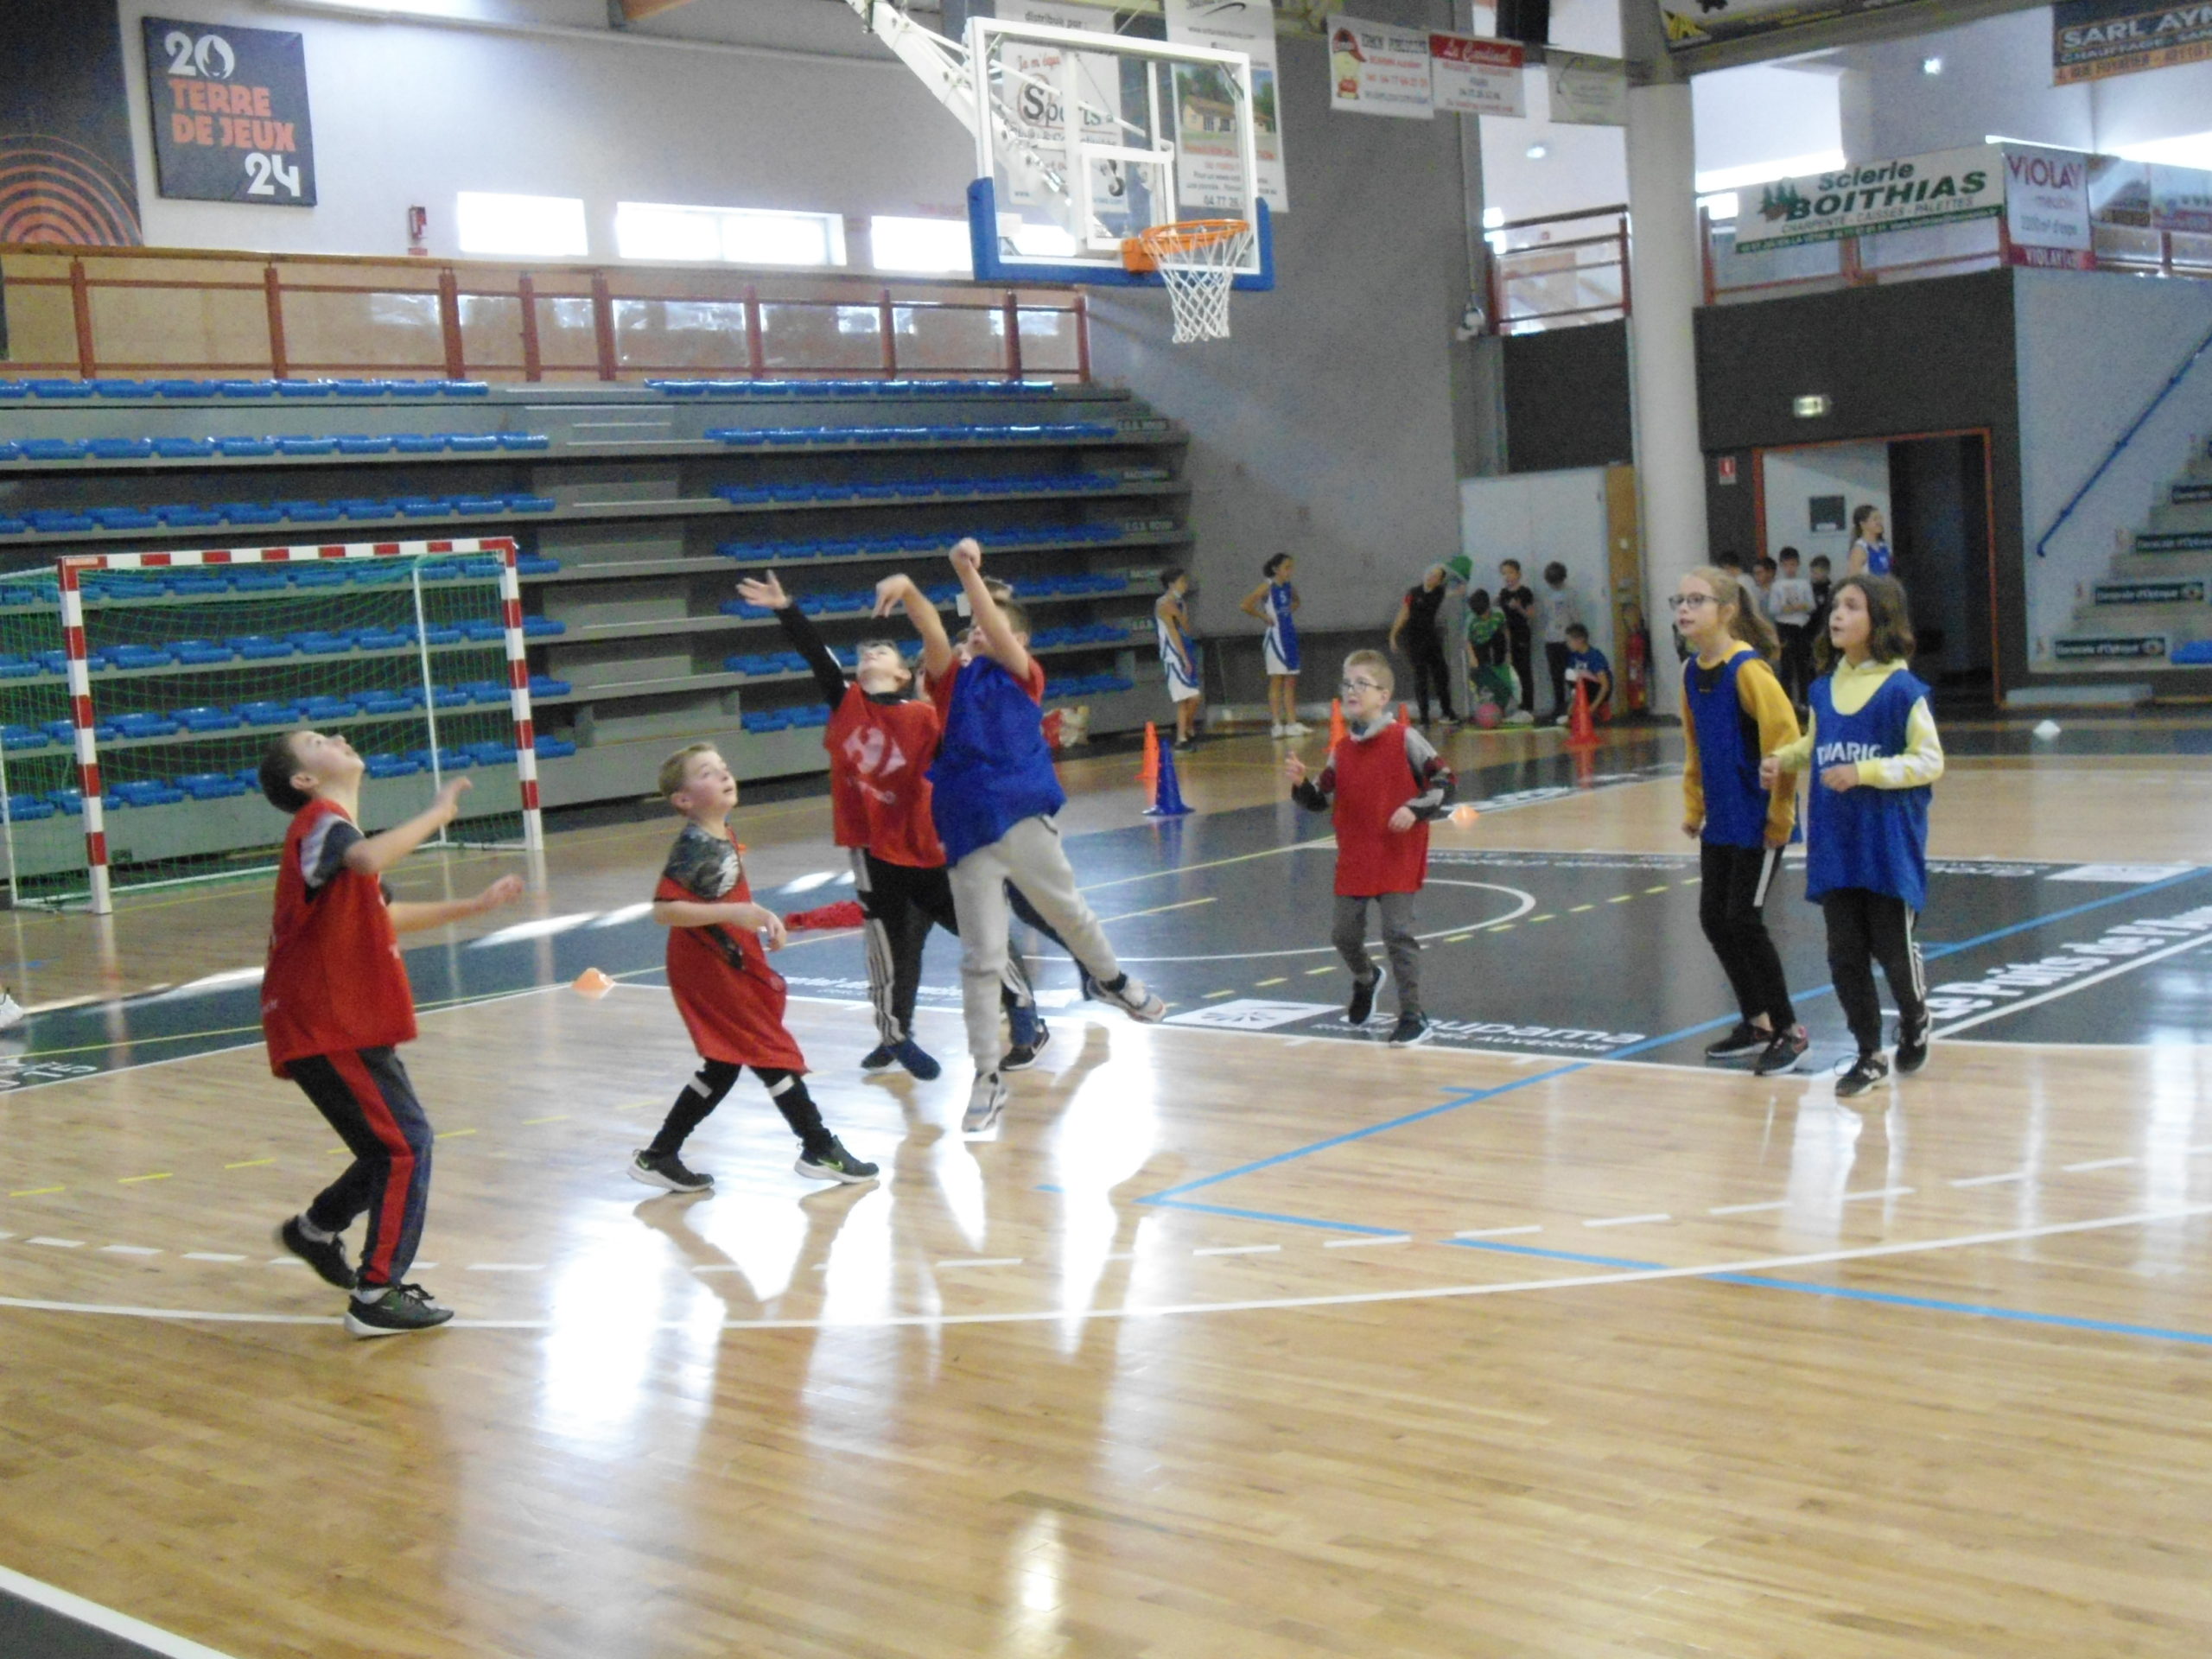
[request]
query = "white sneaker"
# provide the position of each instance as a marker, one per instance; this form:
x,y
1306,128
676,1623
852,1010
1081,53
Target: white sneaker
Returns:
x,y
11,1011
1278,730
1134,1000
1297,728
986,1104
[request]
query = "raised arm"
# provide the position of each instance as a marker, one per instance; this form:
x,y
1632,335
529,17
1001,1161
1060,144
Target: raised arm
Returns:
x,y
894,593
374,854
998,639
412,916
798,628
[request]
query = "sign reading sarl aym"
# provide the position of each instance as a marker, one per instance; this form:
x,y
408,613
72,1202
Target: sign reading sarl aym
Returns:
x,y
2139,647
2173,541
1916,191
2091,38
2187,592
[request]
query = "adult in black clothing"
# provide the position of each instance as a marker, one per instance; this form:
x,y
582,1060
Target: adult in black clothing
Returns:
x,y
1518,600
1415,633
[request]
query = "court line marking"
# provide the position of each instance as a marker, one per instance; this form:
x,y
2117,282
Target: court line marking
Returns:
x,y
1880,1192
106,1620
1748,1209
1627,1272
2097,1163
1628,1221
1528,903
2129,966
1238,1249
1364,1243
1991,1180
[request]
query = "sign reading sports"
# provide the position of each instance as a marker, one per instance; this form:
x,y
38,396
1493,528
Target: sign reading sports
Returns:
x,y
1916,191
230,113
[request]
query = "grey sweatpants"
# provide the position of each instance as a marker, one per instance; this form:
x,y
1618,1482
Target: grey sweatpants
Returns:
x,y
1350,937
1029,855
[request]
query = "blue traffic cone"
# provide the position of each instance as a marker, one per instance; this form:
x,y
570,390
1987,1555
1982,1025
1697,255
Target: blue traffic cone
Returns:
x,y
1168,797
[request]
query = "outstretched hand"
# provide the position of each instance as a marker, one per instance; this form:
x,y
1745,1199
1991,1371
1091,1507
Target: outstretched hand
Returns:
x,y
890,594
764,590
968,554
1294,769
447,804
504,891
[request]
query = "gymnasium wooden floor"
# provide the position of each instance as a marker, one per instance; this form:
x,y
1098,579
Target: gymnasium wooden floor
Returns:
x,y
1243,1339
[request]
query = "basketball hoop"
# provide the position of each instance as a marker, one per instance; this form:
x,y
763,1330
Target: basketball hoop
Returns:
x,y
1197,259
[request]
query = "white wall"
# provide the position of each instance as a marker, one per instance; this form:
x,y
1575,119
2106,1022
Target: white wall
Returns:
x,y
1537,517
1582,166
1858,472
2093,350
1765,112
405,113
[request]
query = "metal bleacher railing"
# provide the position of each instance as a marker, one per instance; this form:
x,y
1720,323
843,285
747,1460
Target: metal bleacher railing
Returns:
x,y
97,312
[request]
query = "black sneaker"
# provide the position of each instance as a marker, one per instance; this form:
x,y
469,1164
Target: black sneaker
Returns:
x,y
1746,1039
1783,1053
1912,1045
1410,1029
327,1258
400,1309
1363,997
918,1062
1022,1055
882,1058
666,1169
834,1163
1865,1071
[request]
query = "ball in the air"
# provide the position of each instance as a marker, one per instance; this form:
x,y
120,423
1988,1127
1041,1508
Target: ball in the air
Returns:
x,y
1487,716
1464,815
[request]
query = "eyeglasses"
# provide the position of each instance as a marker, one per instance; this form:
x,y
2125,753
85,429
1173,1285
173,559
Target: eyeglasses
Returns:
x,y
1357,685
1692,601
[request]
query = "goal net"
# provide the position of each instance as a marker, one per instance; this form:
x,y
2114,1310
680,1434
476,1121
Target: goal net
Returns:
x,y
138,693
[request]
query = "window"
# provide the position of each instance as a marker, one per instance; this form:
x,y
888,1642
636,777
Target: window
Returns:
x,y
921,245
737,236
522,225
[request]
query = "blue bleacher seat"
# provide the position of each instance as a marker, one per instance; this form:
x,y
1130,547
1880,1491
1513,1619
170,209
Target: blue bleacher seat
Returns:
x,y
146,726
534,564
52,449
244,446
257,648
542,627
250,512
185,389
418,443
260,582
307,446
550,748
304,388
60,390
202,653
212,785
361,443
322,708
525,441
265,713
119,449
360,388
187,518
464,389
66,800
389,703
424,506
470,443
124,519
246,388
24,737
22,808
544,685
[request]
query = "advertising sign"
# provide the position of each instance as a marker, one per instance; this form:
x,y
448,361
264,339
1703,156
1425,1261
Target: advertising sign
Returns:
x,y
2173,541
2189,591
1694,23
1587,91
2105,648
1098,86
2047,207
1246,26
1477,77
1379,69
1919,190
230,113
2092,39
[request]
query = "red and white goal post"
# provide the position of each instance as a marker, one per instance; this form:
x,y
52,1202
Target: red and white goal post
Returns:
x,y
71,570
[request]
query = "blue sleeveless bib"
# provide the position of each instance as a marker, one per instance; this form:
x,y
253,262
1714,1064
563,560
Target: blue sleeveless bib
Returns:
x,y
1728,755
1872,838
993,766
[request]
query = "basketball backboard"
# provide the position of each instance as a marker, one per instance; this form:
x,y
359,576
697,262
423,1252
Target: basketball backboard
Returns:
x,y
1086,138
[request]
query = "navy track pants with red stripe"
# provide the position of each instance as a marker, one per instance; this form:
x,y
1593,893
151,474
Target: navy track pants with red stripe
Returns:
x,y
365,1097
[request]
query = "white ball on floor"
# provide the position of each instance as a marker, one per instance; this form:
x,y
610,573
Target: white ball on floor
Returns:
x,y
2046,729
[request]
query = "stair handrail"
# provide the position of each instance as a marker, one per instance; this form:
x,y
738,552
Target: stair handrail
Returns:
x,y
2173,381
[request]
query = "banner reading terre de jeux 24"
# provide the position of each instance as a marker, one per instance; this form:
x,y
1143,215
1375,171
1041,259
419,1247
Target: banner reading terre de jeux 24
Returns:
x,y
230,113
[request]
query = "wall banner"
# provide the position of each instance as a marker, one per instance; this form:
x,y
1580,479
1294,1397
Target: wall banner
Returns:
x,y
1098,84
65,169
2047,207
1587,91
1246,26
230,113
1379,69
1478,77
2092,39
1919,190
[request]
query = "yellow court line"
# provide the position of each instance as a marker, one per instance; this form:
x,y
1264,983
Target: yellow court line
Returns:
x,y
1210,996
1620,898
1262,984
251,1163
37,1191
558,1117
1161,909
453,1135
1210,864
1579,909
1548,916
133,1181
1325,967
1458,938
1661,887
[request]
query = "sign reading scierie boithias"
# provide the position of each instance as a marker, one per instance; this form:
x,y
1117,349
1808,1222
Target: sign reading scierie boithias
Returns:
x,y
1907,194
230,113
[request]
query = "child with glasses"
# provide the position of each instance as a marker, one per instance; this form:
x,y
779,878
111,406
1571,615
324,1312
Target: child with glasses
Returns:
x,y
1735,715
1382,786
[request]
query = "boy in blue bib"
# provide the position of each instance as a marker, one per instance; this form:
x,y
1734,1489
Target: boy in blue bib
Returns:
x,y
1873,750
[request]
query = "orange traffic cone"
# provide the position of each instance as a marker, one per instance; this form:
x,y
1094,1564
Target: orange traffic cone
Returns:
x,y
1581,731
592,983
1149,768
1335,722
1405,715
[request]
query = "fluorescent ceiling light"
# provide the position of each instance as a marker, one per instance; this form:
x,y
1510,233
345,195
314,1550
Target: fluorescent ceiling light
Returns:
x,y
1785,167
2192,149
1931,65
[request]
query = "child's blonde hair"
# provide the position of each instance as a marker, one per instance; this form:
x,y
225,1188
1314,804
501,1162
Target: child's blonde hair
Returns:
x,y
675,771
1748,624
1375,663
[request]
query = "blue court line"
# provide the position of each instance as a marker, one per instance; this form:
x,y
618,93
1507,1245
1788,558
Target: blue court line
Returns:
x,y
1166,1203
1458,1098
1554,1256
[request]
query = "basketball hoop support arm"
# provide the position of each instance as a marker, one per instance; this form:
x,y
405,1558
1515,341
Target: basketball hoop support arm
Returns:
x,y
941,64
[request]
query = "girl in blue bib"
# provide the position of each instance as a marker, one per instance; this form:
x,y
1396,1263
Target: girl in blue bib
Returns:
x,y
1870,543
1273,602
1873,751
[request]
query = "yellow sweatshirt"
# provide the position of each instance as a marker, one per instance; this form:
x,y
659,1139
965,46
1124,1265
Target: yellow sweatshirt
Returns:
x,y
1762,697
1850,689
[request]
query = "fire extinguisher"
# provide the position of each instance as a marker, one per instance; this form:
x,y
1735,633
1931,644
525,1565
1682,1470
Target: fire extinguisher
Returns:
x,y
1635,663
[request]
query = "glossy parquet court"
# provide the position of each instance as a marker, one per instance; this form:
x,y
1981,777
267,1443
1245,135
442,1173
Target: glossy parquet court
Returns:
x,y
1246,1337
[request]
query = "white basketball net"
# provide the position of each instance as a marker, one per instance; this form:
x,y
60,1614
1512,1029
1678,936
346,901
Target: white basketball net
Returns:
x,y
1198,267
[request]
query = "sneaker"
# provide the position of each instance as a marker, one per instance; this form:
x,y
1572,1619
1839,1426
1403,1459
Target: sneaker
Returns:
x,y
1297,728
882,1058
919,1061
834,1163
1912,1045
1746,1039
1131,997
1410,1029
1363,996
1783,1053
1089,985
11,1011
1182,743
1865,1071
399,1309
985,1103
1277,730
327,1258
1022,1055
666,1169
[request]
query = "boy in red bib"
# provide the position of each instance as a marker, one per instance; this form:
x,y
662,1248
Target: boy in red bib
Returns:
x,y
731,999
335,1006
1383,785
